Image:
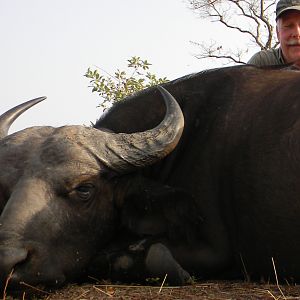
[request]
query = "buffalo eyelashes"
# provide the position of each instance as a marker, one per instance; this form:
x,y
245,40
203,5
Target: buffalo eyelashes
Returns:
x,y
84,192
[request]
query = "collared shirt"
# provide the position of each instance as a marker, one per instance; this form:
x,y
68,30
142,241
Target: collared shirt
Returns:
x,y
267,58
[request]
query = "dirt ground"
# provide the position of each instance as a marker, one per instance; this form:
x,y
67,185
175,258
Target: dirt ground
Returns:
x,y
204,290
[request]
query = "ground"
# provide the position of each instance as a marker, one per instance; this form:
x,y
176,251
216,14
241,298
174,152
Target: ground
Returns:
x,y
204,291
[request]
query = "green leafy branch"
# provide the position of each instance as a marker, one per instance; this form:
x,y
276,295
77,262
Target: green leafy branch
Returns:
x,y
113,88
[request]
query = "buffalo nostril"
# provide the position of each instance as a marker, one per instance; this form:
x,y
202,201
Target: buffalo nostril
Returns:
x,y
9,257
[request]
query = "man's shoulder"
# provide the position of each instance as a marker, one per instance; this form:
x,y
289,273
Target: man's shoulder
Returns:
x,y
267,58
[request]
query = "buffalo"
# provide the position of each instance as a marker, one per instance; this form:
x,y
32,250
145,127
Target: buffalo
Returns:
x,y
207,188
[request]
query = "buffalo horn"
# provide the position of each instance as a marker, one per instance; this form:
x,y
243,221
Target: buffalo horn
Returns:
x,y
125,152
10,116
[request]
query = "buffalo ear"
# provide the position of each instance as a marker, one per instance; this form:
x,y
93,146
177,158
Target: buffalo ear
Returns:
x,y
153,209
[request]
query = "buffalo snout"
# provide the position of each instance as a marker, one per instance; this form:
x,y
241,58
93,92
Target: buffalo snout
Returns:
x,y
9,258
19,267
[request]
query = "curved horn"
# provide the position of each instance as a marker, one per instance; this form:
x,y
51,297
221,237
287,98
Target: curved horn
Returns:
x,y
124,152
10,116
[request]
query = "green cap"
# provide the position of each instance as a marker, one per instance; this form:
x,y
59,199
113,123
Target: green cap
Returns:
x,y
285,5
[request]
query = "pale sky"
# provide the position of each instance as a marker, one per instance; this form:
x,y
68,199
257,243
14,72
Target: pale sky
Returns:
x,y
47,45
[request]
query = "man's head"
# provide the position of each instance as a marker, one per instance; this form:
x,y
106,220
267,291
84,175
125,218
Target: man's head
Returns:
x,y
288,29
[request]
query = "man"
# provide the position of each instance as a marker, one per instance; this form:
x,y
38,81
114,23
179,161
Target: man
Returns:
x,y
288,33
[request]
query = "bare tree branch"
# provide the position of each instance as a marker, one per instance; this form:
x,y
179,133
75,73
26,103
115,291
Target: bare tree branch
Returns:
x,y
213,50
248,17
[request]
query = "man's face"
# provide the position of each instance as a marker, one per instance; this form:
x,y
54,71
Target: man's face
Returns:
x,y
288,33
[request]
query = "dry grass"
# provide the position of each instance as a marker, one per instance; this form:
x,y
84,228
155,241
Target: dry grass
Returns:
x,y
208,290
219,290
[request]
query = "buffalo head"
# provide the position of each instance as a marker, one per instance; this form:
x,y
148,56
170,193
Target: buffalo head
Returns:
x,y
58,199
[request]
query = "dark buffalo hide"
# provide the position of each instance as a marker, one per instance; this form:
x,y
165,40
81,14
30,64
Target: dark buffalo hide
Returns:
x,y
223,204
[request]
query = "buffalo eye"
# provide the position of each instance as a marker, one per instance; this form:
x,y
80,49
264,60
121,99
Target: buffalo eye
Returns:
x,y
84,192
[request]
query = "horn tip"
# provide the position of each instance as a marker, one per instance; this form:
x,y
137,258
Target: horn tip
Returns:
x,y
41,98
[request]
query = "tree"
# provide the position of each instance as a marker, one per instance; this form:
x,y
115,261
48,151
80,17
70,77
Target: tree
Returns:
x,y
113,88
251,18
